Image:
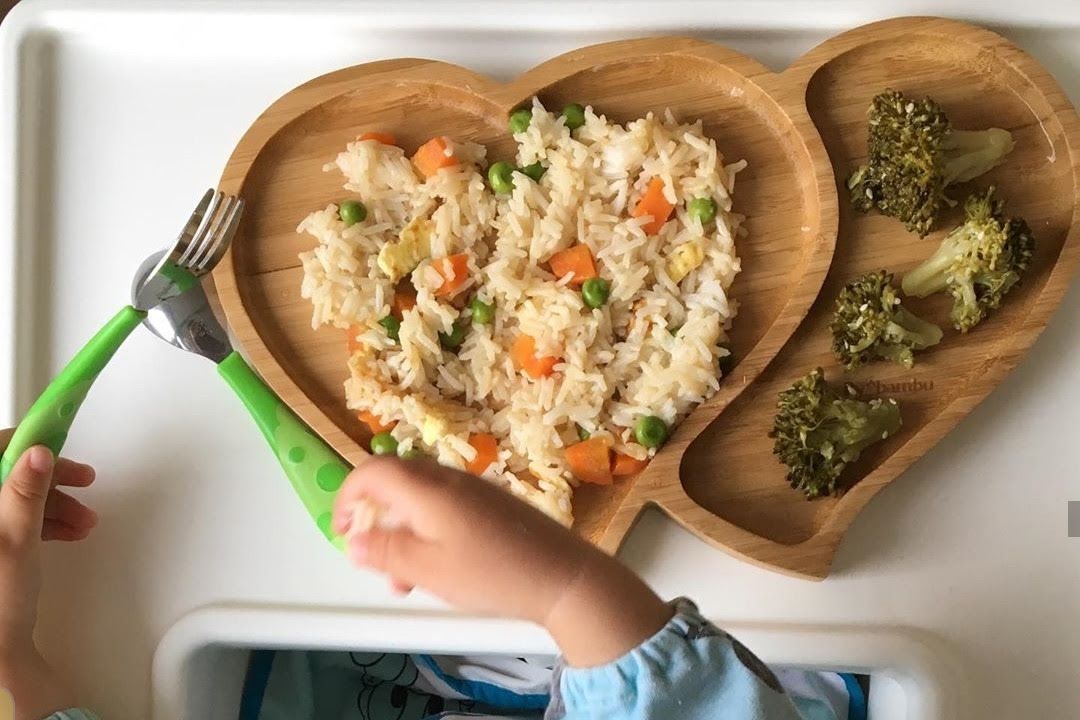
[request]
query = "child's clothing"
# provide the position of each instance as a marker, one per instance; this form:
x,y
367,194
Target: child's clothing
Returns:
x,y
689,670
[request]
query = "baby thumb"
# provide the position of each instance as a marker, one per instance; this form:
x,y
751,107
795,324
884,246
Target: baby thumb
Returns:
x,y
23,496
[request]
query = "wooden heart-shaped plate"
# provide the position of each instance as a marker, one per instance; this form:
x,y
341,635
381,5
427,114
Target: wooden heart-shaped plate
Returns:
x,y
802,132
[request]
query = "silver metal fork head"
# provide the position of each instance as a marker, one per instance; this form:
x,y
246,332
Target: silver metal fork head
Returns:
x,y
200,246
207,233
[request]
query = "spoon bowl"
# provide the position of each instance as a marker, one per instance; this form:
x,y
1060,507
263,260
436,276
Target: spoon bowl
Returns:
x,y
184,319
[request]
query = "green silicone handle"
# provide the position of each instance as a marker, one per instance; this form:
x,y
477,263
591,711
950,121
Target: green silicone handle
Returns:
x,y
49,418
314,469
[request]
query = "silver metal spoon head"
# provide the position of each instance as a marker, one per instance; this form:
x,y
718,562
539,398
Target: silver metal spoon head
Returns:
x,y
184,318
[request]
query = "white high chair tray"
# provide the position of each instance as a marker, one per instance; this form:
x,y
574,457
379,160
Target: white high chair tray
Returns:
x,y
116,115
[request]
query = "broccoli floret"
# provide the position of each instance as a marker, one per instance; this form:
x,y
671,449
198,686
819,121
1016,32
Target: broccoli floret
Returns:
x,y
819,430
870,323
977,263
914,155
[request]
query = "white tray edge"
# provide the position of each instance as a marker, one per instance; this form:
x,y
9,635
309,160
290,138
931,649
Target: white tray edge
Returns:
x,y
647,16
934,683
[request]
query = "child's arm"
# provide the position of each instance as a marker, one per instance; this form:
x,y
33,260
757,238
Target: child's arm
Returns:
x,y
483,550
32,509
626,654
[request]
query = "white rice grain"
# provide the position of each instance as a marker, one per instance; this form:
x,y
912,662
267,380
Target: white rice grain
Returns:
x,y
615,364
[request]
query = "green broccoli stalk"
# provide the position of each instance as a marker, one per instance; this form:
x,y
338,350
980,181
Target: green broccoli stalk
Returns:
x,y
870,323
977,263
914,155
818,431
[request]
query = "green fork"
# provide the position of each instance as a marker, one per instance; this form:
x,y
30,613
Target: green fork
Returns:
x,y
200,245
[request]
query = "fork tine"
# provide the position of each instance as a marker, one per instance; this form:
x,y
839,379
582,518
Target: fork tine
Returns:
x,y
213,233
206,230
200,234
183,240
224,238
211,245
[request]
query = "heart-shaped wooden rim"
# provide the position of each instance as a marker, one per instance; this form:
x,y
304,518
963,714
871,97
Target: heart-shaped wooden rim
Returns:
x,y
1055,121
794,135
779,101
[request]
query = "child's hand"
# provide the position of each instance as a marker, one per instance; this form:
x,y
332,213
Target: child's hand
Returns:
x,y
483,550
462,539
32,509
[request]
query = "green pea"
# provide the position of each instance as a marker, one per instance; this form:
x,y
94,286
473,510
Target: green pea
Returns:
x,y
583,434
352,212
726,363
534,171
501,177
595,292
651,431
453,339
573,116
392,326
383,444
702,209
412,453
482,313
519,120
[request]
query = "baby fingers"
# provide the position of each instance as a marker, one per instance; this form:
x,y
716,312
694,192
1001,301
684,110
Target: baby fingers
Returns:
x,y
397,552
59,530
66,517
72,474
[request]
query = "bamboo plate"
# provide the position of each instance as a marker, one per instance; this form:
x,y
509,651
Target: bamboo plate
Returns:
x,y
717,477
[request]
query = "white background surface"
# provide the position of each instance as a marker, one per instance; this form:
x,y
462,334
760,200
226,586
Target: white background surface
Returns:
x,y
140,105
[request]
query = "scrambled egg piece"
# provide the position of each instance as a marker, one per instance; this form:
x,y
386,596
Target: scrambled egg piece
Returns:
x,y
434,428
414,244
684,259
